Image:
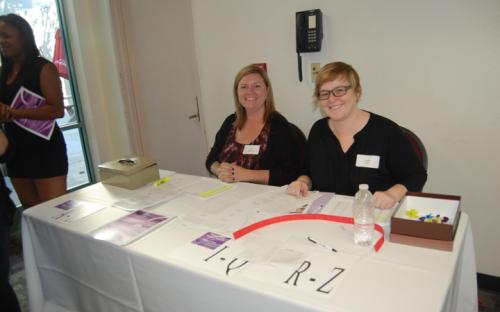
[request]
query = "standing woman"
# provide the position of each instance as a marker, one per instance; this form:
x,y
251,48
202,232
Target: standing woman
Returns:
x,y
351,146
38,167
256,144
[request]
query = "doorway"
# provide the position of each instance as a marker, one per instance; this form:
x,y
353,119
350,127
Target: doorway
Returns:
x,y
155,43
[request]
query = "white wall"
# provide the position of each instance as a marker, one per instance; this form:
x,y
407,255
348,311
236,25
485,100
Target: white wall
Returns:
x,y
432,66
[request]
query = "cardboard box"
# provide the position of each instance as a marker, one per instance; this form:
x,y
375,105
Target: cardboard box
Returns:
x,y
129,172
418,231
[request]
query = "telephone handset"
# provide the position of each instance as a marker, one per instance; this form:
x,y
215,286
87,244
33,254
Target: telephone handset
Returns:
x,y
309,33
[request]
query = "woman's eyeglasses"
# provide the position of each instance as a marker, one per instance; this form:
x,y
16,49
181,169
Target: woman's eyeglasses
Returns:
x,y
337,92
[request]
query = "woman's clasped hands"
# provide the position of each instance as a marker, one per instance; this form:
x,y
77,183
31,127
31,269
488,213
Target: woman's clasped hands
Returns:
x,y
230,173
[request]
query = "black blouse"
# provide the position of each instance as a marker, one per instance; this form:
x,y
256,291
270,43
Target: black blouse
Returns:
x,y
332,170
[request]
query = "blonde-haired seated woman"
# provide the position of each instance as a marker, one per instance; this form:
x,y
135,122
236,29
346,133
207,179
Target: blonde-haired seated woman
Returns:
x,y
352,146
255,144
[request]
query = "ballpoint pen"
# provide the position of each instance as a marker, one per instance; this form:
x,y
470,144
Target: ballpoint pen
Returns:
x,y
320,244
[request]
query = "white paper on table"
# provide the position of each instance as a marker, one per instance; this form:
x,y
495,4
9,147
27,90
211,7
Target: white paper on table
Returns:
x,y
228,259
278,202
339,206
230,218
182,180
151,196
254,209
322,269
321,273
130,227
73,210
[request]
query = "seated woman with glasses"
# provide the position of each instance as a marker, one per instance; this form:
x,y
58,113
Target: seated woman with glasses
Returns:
x,y
256,144
352,146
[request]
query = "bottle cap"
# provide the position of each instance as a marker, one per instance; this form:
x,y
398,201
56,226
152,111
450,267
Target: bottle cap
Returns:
x,y
363,186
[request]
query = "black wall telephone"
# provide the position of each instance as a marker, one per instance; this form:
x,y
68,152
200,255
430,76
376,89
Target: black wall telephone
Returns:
x,y
309,33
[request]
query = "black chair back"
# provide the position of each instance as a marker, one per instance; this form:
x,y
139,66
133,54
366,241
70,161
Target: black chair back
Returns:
x,y
300,140
417,145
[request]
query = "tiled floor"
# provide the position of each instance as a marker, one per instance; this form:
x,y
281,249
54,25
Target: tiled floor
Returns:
x,y
489,301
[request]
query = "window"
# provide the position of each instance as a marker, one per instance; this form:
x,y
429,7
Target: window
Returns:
x,y
48,26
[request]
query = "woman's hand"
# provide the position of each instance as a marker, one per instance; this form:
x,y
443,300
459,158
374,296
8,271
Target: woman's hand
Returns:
x,y
231,173
300,187
390,197
383,200
5,113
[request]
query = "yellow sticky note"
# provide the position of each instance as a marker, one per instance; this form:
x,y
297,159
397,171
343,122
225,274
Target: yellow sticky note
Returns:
x,y
161,181
215,191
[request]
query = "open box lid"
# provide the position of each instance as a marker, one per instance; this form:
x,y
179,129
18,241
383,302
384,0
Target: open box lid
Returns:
x,y
127,165
426,204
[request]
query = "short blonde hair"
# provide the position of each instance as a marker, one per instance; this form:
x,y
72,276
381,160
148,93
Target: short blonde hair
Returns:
x,y
337,70
241,115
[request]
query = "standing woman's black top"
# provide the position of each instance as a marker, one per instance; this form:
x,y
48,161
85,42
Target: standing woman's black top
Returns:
x,y
33,157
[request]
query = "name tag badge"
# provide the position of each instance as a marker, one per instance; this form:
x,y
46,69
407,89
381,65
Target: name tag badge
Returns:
x,y
251,149
367,161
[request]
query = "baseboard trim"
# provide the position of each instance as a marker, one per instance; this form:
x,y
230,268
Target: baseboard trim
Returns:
x,y
489,282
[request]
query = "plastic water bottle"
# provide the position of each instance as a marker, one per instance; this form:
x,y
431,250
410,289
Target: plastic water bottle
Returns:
x,y
363,212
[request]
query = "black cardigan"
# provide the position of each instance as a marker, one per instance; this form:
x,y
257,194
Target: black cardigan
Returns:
x,y
283,154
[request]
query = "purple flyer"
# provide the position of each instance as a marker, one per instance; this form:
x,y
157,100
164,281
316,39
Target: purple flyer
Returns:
x,y
130,227
25,99
67,205
211,240
320,203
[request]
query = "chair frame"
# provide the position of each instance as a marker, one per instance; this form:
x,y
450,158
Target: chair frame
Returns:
x,y
417,145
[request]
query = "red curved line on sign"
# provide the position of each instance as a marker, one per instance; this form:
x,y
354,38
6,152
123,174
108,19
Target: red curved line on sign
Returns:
x,y
308,216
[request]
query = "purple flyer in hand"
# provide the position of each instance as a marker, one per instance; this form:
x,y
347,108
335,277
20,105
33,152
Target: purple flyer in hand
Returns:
x,y
25,99
211,240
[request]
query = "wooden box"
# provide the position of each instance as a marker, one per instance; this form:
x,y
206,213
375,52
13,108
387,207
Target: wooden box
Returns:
x,y
129,172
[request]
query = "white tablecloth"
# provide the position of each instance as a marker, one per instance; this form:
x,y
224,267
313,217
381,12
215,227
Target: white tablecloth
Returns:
x,y
68,270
